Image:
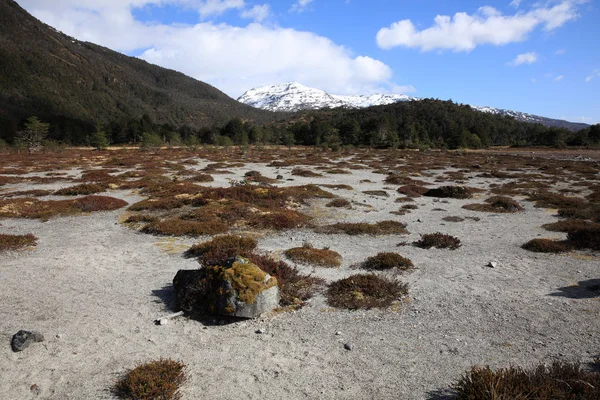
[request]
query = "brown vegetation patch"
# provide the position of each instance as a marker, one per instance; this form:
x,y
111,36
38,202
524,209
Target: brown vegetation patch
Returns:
x,y
380,193
546,246
569,225
554,200
559,381
337,186
180,227
305,173
454,192
220,249
384,261
200,178
37,209
15,242
453,219
496,204
83,189
319,257
363,228
365,291
155,380
412,190
585,238
438,240
339,203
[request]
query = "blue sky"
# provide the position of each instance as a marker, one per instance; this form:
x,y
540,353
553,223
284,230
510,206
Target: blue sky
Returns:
x,y
540,57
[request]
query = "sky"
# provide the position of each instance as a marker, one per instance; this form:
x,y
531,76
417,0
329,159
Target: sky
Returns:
x,y
541,57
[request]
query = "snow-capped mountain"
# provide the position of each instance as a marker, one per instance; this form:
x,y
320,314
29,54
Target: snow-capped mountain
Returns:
x,y
293,96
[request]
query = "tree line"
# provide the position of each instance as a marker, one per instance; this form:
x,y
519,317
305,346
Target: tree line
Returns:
x,y
417,124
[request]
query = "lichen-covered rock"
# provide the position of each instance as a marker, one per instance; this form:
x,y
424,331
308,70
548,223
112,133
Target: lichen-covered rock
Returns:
x,y
239,289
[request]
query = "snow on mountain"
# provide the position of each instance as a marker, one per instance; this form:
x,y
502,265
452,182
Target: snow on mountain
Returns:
x,y
293,96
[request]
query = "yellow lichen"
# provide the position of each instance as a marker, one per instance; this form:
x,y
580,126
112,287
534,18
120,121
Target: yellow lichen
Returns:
x,y
248,281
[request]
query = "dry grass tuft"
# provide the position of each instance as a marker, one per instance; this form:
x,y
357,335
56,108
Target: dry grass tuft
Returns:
x,y
15,242
339,203
453,219
559,381
37,209
412,190
438,240
365,291
305,173
546,246
319,257
380,193
152,381
569,225
363,228
83,189
220,249
496,204
454,192
384,261
553,200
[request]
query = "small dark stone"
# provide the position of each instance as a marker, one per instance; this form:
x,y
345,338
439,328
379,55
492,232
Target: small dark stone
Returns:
x,y
348,346
279,176
23,339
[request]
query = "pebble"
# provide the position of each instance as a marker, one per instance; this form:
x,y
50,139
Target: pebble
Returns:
x,y
348,346
23,339
259,331
338,333
493,264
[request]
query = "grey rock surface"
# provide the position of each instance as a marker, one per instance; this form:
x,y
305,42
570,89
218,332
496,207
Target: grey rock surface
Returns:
x,y
23,339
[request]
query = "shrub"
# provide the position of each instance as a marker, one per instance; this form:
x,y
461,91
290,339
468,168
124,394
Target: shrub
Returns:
x,y
546,246
363,228
383,261
455,192
380,193
278,220
453,219
498,204
365,291
339,203
99,203
553,200
585,238
569,225
200,178
412,190
588,211
179,227
83,189
439,241
167,203
14,242
222,248
559,381
305,173
309,255
154,380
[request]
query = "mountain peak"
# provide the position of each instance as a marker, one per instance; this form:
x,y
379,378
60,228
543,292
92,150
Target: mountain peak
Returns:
x,y
293,96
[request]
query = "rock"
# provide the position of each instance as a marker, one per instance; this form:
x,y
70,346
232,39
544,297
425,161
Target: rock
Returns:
x,y
35,389
338,333
163,321
238,289
348,346
279,177
493,264
23,339
259,331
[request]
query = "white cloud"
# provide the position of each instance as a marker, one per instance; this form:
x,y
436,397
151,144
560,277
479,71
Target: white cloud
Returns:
x,y
559,78
300,5
465,32
257,13
228,57
525,58
560,52
595,74
516,3
209,8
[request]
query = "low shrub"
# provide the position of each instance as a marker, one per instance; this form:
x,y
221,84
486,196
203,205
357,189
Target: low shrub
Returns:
x,y
83,189
155,380
305,173
412,190
200,178
165,203
559,381
99,203
319,257
569,225
453,219
180,227
380,193
438,240
365,291
339,203
588,211
383,261
37,209
497,204
278,220
585,238
553,200
546,246
363,228
454,192
222,248
15,242
140,218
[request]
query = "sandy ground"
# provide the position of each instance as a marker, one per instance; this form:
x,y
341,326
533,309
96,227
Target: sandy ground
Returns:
x,y
93,287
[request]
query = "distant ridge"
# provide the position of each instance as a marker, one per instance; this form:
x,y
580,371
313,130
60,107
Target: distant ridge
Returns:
x,y
47,73
293,96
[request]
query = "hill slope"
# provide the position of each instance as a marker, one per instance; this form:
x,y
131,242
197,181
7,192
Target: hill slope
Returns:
x,y
296,97
47,73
